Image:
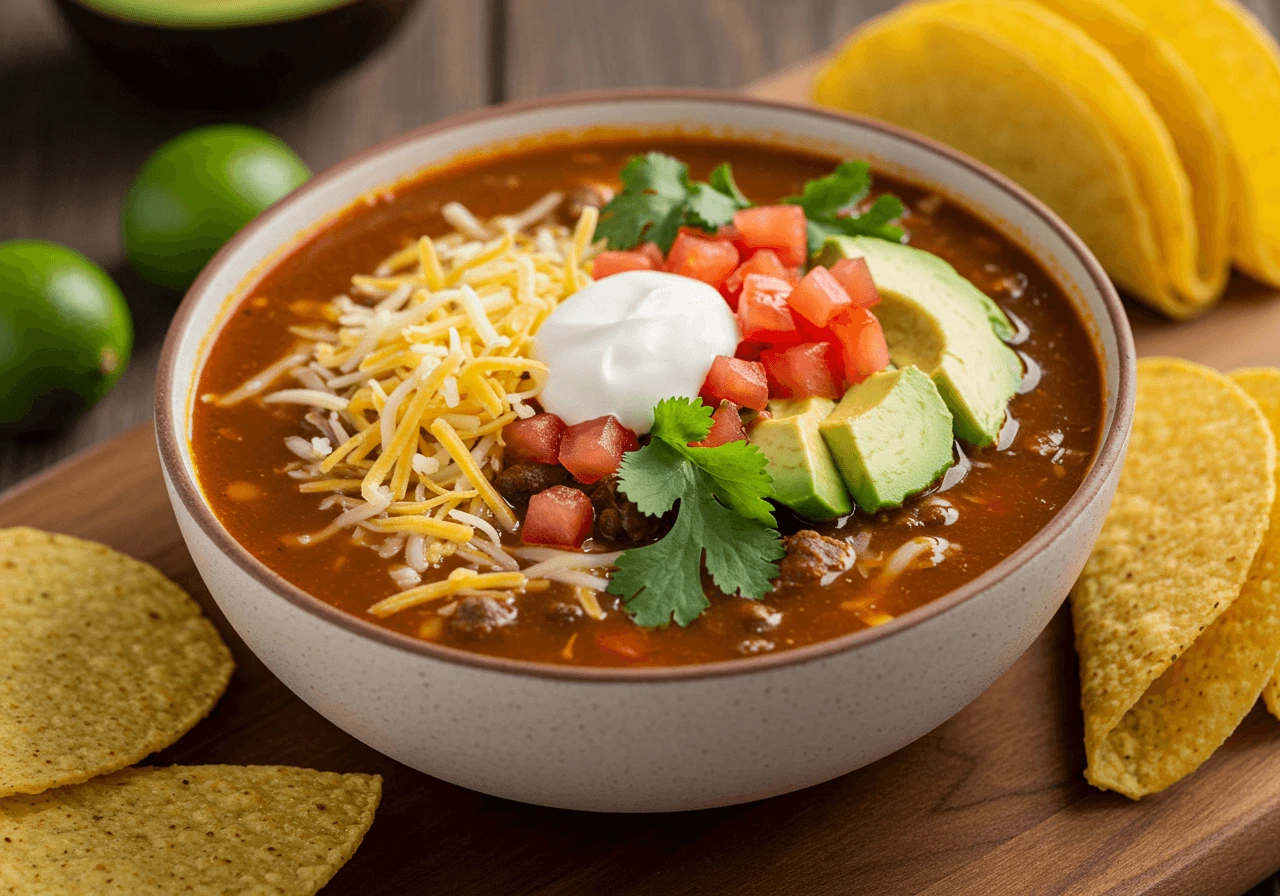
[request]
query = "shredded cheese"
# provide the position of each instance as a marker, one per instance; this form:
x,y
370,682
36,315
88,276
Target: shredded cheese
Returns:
x,y
566,652
448,437
590,603
406,401
313,397
461,578
425,525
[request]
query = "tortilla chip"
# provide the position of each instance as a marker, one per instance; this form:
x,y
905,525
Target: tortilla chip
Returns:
x,y
1058,114
1186,110
1263,384
102,661
1067,53
212,829
1237,61
1170,659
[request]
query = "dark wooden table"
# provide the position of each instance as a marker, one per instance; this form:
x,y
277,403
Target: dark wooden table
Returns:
x,y
71,138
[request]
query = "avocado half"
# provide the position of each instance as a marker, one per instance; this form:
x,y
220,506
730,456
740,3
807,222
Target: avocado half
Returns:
x,y
230,53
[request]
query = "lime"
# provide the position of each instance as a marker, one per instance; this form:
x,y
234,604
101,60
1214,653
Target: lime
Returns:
x,y
65,333
196,191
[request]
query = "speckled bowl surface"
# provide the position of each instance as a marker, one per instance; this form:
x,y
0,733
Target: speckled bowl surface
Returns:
x,y
648,740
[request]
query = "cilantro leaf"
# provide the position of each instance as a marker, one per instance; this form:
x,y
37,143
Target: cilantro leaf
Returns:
x,y
735,548
738,478
654,189
825,197
680,421
629,216
721,181
664,230
828,203
653,477
737,470
722,513
664,579
709,209
657,197
875,221
657,173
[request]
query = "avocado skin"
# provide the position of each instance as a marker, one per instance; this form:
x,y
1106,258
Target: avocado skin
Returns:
x,y
65,334
890,437
237,66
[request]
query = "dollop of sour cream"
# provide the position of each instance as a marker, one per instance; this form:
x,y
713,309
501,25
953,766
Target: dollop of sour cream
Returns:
x,y
624,343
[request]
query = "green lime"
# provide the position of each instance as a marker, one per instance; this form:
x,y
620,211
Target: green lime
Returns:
x,y
65,333
196,191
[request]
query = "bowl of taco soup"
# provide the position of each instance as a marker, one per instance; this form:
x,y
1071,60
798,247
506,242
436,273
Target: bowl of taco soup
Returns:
x,y
639,452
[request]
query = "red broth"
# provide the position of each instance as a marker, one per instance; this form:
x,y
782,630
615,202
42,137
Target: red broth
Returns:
x,y
1006,497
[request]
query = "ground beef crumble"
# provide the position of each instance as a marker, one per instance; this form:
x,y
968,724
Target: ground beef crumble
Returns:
x,y
810,557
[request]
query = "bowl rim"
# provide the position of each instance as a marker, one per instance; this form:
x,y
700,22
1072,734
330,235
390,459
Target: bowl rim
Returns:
x,y
1109,453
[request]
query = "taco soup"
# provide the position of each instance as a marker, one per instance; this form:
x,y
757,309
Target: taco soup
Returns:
x,y
645,401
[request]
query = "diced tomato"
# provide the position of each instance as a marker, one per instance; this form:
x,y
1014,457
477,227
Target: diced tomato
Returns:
x,y
651,252
726,427
758,261
731,233
819,297
594,448
559,516
805,370
708,260
761,261
763,313
630,644
782,228
742,382
748,351
854,275
862,341
813,333
607,263
535,440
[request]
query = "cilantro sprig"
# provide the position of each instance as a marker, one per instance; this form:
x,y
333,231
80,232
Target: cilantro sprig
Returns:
x,y
829,204
723,516
657,198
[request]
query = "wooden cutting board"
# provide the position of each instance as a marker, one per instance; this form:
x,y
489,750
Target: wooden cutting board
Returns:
x,y
992,802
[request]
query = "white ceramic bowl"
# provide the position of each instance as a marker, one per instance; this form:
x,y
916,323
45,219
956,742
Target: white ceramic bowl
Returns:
x,y
645,740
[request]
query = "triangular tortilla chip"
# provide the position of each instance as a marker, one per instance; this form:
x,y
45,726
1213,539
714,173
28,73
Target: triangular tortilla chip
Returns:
x,y
102,661
1263,384
204,830
1172,654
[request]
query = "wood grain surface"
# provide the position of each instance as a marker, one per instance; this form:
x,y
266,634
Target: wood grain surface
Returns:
x,y
991,802
71,137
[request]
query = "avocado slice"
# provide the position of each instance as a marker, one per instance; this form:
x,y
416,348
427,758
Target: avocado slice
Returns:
x,y
805,477
936,320
890,437
230,53
203,14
